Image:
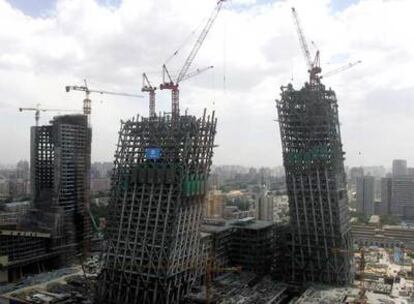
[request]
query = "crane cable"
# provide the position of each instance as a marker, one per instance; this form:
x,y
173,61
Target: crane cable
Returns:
x,y
181,46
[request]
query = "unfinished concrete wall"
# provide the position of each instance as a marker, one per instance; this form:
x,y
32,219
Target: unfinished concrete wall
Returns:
x,y
159,186
320,243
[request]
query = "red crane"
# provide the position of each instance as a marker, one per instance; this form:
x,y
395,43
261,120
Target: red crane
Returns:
x,y
314,66
173,85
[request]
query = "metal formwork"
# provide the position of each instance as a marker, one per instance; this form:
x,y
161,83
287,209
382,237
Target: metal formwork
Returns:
x,y
320,244
156,207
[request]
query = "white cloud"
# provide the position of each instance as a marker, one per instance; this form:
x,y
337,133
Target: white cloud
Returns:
x,y
253,46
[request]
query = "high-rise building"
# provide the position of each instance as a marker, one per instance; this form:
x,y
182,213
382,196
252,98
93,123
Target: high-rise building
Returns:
x,y
354,173
402,201
320,242
399,168
159,186
214,204
365,195
264,205
57,228
386,196
60,162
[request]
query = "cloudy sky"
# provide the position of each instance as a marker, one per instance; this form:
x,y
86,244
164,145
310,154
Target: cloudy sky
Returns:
x,y
47,44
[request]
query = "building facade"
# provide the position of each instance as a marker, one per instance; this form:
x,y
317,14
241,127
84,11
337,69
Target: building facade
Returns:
x,y
365,195
402,201
320,239
386,196
399,168
264,205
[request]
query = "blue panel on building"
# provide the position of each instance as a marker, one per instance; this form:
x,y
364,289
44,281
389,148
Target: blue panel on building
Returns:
x,y
152,153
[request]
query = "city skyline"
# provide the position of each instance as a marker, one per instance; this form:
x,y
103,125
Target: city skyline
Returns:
x,y
250,85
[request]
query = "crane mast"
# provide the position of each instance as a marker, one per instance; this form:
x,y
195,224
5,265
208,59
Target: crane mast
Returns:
x,y
147,87
172,85
314,67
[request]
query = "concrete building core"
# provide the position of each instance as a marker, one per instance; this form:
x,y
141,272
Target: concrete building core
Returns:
x,y
320,243
159,186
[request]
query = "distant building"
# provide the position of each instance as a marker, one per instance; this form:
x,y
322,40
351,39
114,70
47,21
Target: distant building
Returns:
x,y
388,236
365,195
101,170
23,170
402,201
399,168
410,171
264,205
214,204
251,246
102,184
4,188
247,243
386,196
354,173
233,212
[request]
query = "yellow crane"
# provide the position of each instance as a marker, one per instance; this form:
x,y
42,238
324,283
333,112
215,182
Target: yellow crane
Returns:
x,y
87,107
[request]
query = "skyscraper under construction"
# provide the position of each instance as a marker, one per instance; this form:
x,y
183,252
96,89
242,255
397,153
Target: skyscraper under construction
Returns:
x,y
60,172
158,187
319,244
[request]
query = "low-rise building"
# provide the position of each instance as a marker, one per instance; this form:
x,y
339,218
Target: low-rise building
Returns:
x,y
388,236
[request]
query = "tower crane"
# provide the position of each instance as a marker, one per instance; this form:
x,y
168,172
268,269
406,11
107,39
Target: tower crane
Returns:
x,y
342,68
87,101
173,85
147,87
314,66
38,109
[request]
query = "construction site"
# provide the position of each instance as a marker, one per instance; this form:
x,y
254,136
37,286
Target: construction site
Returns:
x,y
56,226
159,186
160,245
313,158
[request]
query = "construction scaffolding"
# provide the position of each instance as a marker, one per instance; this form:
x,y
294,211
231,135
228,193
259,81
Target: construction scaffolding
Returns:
x,y
159,185
320,239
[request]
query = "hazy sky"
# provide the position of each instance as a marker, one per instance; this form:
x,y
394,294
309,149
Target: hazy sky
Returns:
x,y
45,45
